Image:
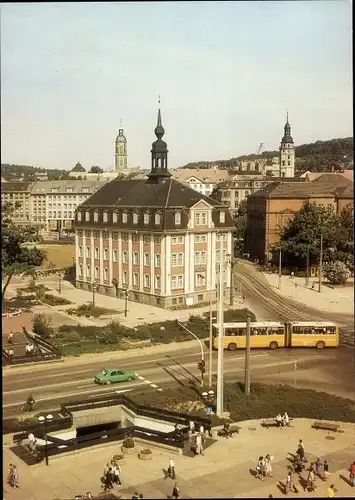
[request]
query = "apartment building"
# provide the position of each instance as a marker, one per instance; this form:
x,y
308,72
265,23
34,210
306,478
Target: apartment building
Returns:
x,y
202,180
18,193
156,238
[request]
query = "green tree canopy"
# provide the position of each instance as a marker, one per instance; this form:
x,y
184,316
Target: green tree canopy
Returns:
x,y
16,258
303,233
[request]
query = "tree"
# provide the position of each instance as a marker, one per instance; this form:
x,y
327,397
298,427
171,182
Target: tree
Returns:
x,y
16,258
302,234
240,222
96,170
336,272
42,325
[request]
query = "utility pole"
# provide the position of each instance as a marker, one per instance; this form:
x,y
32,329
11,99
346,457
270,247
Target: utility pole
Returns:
x,y
247,356
307,268
93,294
211,332
220,340
125,303
280,268
231,282
320,264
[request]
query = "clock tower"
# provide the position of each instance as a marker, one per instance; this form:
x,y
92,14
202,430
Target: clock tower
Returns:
x,y
120,151
287,153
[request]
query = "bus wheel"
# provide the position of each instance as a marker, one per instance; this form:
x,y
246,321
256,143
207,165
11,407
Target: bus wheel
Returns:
x,y
273,345
320,344
232,346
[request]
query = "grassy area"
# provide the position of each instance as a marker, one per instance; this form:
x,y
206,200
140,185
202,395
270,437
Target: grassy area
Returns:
x,y
90,310
61,256
264,401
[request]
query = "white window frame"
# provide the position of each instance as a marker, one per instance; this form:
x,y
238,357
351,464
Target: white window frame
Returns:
x,y
135,218
200,278
146,281
124,257
124,277
114,218
173,282
180,261
105,217
135,279
177,218
157,260
157,281
157,240
79,216
105,254
80,253
97,253
80,270
97,272
146,259
124,218
146,218
157,219
135,258
88,271
105,273
87,216
173,260
146,239
114,255
180,281
96,217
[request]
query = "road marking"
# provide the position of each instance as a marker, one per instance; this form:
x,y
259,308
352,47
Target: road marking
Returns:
x,y
147,381
28,389
154,385
140,377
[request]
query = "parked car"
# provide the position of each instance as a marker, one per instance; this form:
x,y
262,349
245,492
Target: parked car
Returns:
x,y
113,375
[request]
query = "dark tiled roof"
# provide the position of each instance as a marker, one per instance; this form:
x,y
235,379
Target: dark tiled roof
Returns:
x,y
78,168
295,190
142,193
12,187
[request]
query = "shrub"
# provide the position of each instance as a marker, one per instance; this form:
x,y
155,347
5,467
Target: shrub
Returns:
x,y
146,451
42,325
336,272
128,442
53,300
72,337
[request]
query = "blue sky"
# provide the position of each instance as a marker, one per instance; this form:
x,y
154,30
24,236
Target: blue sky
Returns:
x,y
226,71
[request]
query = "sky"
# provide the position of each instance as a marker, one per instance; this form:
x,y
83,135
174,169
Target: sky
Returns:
x,y
227,73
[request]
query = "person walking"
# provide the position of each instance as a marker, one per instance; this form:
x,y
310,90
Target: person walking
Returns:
x,y
330,492
10,338
15,479
289,481
116,470
285,420
352,474
199,444
279,420
300,450
176,491
10,474
311,480
268,466
319,468
108,479
171,468
326,472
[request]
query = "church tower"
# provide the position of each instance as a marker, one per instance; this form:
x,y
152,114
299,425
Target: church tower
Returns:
x,y
287,153
120,150
159,151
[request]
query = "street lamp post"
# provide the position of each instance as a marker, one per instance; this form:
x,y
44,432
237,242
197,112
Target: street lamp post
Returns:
x,y
220,342
93,293
280,268
43,421
211,331
125,303
307,267
247,356
320,264
201,364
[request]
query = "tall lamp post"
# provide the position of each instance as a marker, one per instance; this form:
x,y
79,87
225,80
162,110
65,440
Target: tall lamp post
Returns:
x,y
280,268
201,363
219,409
307,267
320,264
125,303
43,421
93,293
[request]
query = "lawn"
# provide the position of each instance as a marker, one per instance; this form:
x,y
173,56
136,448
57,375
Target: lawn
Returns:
x,y
60,256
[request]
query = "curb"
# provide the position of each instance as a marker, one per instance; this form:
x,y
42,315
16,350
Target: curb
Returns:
x,y
31,365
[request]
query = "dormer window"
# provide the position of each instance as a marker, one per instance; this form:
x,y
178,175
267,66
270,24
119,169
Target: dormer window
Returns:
x,y
96,217
114,218
135,218
105,217
146,218
177,219
79,216
87,216
222,217
124,218
157,219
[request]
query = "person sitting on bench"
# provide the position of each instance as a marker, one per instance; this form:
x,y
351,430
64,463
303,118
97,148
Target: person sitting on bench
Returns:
x,y
285,420
279,420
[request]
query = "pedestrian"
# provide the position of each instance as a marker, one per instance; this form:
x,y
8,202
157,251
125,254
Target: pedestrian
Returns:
x,y
202,430
268,467
330,492
319,468
10,338
199,445
192,426
32,442
289,481
116,469
279,420
285,420
10,353
176,491
300,450
108,479
227,429
326,472
15,480
171,468
352,474
135,496
9,474
311,480
260,468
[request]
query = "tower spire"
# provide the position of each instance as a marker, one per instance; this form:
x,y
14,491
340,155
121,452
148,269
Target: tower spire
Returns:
x,y
159,152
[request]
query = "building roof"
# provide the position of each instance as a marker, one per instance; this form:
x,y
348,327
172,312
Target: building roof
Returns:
x,y
78,186
18,187
143,193
204,175
78,168
301,190
312,176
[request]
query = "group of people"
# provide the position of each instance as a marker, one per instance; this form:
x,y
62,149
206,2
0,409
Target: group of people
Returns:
x,y
111,476
12,477
29,349
282,421
264,467
197,438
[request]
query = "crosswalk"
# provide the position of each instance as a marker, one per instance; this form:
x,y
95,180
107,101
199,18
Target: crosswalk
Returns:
x,y
148,382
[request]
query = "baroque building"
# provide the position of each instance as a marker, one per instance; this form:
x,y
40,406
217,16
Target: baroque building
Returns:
x,y
156,238
287,153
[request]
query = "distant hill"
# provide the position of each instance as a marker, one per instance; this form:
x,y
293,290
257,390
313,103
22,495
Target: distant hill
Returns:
x,y
318,156
26,173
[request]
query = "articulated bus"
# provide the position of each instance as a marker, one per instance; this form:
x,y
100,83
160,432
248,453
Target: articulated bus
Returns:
x,y
273,335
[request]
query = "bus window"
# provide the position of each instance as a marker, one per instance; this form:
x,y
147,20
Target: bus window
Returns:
x,y
262,331
298,330
330,330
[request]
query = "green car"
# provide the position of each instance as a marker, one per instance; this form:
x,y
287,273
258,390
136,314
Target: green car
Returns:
x,y
112,375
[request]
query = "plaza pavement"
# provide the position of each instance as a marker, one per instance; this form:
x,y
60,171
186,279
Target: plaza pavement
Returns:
x,y
226,469
337,300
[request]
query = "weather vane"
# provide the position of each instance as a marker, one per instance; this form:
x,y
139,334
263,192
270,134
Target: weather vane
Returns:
x,y
159,99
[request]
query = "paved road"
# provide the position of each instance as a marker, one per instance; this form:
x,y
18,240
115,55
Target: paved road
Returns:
x,y
52,384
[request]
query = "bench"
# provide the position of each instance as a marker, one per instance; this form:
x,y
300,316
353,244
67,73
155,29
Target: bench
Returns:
x,y
269,422
234,429
326,426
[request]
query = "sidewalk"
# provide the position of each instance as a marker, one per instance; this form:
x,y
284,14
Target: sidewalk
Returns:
x,y
226,469
329,300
